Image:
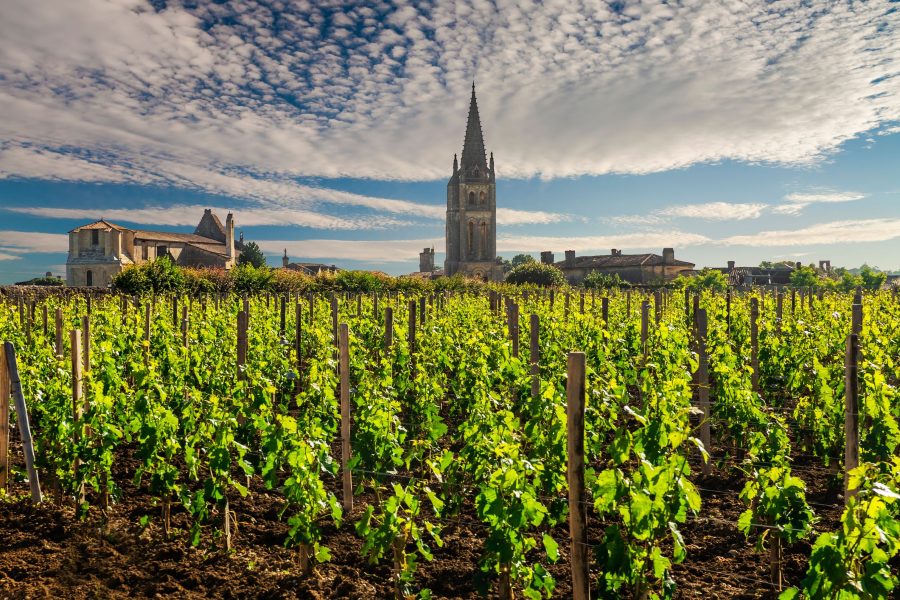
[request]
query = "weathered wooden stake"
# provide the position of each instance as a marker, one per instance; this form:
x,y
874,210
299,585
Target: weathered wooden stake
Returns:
x,y
59,332
535,356
77,398
703,388
575,400
604,311
282,324
645,317
86,341
754,342
4,419
851,412
388,329
422,311
241,344
514,327
344,372
22,413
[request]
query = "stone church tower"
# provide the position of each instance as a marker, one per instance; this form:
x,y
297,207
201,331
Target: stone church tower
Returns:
x,y
472,208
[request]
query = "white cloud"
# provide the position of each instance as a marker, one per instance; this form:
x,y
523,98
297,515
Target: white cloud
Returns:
x,y
32,241
797,202
835,232
827,197
716,211
565,88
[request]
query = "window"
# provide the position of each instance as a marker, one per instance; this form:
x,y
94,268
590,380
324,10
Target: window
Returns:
x,y
89,278
484,241
472,198
145,250
161,251
95,237
481,198
471,246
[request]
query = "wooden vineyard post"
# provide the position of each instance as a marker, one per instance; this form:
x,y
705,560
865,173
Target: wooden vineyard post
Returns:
x,y
59,333
657,306
604,311
4,419
422,311
147,310
703,387
174,310
77,398
44,312
241,344
728,310
581,306
283,322
298,326
575,397
388,329
628,304
514,327
793,302
15,385
754,342
566,308
535,356
779,311
86,341
851,412
334,319
411,335
344,368
856,318
185,325
645,317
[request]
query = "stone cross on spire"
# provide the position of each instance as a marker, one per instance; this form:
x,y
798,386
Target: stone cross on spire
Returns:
x,y
473,148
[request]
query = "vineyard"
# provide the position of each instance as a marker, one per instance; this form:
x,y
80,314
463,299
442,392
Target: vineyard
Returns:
x,y
513,443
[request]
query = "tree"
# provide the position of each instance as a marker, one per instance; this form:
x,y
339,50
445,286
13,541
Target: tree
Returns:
x,y
706,279
871,278
536,273
595,280
804,277
521,259
252,255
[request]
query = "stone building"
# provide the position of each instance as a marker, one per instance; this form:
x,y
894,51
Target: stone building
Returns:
x,y
471,233
99,250
307,268
778,274
633,268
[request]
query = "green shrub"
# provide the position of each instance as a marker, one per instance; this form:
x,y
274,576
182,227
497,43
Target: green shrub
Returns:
x,y
251,280
597,281
537,274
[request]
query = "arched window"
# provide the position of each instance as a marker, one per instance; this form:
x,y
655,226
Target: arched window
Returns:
x,y
471,246
481,198
89,278
482,240
471,198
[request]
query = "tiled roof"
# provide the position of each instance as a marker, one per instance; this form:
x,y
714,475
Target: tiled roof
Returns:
x,y
621,261
165,236
102,225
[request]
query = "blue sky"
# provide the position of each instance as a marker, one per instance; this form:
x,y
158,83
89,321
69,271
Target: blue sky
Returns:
x,y
747,130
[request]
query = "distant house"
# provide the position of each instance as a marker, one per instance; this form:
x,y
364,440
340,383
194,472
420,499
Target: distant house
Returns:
x,y
777,274
99,250
633,268
307,268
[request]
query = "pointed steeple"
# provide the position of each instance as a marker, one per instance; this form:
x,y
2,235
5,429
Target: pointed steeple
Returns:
x,y
473,147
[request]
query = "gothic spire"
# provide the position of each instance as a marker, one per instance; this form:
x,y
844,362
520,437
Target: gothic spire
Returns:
x,y
473,147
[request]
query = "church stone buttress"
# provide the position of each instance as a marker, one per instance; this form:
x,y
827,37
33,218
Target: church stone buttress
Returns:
x,y
472,208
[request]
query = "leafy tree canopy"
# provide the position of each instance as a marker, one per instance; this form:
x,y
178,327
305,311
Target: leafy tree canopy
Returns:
x,y
252,255
536,273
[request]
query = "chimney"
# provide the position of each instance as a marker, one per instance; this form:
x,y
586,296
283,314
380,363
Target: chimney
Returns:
x,y
798,264
570,257
229,237
547,257
668,256
731,265
426,260
285,261
825,265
